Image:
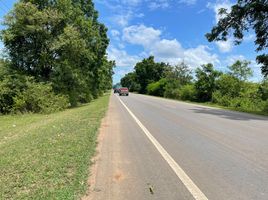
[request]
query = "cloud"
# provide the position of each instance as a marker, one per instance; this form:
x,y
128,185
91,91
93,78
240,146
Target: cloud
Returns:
x,y
121,57
233,58
141,35
162,4
166,50
218,5
115,34
225,46
200,55
188,2
256,68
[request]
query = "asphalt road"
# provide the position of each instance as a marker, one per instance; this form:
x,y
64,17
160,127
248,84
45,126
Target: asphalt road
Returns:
x,y
223,153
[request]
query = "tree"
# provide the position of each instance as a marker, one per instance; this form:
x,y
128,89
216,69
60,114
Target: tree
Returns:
x,y
228,85
180,72
148,71
130,81
241,70
61,42
244,15
206,82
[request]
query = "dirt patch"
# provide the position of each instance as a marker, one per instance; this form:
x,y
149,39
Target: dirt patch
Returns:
x,y
118,176
93,168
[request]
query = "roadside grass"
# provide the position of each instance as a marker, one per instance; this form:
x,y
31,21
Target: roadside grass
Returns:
x,y
48,156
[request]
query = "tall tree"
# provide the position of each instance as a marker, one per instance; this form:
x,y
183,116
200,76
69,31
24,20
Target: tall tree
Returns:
x,y
244,15
149,71
206,81
180,72
241,70
60,42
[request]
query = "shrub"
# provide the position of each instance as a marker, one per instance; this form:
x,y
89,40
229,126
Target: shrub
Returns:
x,y
188,92
157,88
223,100
39,98
11,84
265,107
172,93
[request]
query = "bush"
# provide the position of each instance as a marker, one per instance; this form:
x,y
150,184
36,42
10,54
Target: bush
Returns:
x,y
157,88
188,92
11,84
172,93
265,107
39,98
223,100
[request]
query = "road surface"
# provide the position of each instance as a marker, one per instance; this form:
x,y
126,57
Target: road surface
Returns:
x,y
223,154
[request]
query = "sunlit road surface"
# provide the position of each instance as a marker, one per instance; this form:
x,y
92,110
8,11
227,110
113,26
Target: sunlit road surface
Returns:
x,y
223,154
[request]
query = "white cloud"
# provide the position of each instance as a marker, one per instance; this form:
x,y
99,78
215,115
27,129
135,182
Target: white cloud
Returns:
x,y
162,4
232,59
218,5
188,2
256,68
115,34
141,35
165,50
122,58
199,56
249,37
225,46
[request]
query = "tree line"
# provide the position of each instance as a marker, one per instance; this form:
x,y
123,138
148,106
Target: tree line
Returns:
x,y
206,84
55,56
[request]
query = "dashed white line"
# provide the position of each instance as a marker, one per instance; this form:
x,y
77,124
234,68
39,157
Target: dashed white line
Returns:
x,y
185,179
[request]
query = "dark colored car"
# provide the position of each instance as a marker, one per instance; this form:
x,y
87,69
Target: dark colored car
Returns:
x,y
116,90
123,91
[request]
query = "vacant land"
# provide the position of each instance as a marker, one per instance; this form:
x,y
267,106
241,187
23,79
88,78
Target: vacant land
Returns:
x,y
47,156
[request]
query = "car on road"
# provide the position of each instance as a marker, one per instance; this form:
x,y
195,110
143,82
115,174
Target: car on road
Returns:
x,y
116,90
123,91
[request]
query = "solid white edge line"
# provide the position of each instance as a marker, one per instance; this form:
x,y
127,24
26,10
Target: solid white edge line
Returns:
x,y
185,179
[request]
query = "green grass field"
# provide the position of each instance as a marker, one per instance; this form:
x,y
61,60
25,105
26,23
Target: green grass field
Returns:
x,y
48,156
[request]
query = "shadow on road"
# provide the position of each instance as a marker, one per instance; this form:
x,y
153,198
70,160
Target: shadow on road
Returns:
x,y
229,114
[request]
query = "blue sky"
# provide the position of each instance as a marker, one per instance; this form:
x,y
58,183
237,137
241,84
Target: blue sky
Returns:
x,y
171,30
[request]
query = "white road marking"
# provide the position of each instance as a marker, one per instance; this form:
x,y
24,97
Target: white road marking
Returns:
x,y
185,179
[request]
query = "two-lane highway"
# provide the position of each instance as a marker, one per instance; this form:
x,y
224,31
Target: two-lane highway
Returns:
x,y
223,154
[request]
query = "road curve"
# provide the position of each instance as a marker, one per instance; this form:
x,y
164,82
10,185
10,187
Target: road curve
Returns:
x,y
224,153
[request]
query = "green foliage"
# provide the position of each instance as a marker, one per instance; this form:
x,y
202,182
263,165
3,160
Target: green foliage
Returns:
x,y
39,98
229,89
244,15
206,82
157,88
11,84
130,81
263,89
229,85
265,109
148,71
180,72
48,156
188,92
172,88
241,70
62,43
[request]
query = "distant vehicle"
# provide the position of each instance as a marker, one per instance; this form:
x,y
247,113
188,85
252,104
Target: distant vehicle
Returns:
x,y
116,90
123,91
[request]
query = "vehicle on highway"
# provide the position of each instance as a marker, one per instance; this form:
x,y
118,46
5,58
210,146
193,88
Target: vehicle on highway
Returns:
x,y
116,90
123,91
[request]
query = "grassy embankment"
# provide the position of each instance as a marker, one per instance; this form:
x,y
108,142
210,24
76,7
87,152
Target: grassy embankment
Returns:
x,y
48,156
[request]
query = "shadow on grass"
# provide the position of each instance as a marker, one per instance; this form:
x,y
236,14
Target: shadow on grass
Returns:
x,y
233,115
